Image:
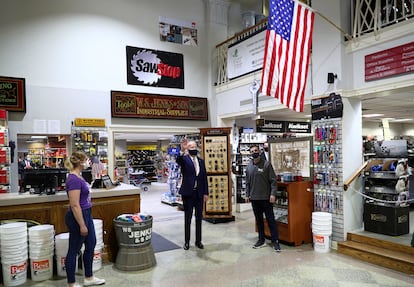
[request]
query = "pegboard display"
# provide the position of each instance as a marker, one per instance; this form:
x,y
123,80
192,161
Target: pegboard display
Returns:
x,y
218,193
327,159
215,151
216,154
328,172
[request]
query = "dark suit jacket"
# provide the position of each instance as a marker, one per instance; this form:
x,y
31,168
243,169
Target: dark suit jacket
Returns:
x,y
189,176
23,164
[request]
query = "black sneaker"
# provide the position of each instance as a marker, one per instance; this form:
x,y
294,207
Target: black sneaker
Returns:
x,y
259,244
276,246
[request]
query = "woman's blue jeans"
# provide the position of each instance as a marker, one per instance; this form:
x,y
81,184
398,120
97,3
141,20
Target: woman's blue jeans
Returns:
x,y
75,244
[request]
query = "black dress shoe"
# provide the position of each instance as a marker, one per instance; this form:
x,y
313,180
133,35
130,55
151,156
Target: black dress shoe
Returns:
x,y
186,246
199,245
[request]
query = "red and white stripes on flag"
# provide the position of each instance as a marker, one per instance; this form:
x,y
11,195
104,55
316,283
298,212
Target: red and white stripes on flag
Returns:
x,y
287,52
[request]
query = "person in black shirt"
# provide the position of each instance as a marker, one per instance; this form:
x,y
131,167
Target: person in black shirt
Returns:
x,y
261,187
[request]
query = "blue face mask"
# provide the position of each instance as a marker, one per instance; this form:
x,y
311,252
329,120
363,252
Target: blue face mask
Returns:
x,y
192,152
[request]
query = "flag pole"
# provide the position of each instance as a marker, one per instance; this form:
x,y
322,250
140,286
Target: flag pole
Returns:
x,y
349,37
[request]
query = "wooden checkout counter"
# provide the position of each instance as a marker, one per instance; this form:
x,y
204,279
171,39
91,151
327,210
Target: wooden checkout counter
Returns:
x,y
107,204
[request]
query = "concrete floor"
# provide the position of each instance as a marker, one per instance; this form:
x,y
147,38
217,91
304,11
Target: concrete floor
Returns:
x,y
229,259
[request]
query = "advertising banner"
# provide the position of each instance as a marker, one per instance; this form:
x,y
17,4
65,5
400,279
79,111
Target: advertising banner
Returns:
x,y
153,68
246,56
178,31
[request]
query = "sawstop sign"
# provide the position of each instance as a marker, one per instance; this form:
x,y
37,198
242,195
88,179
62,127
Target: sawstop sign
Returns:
x,y
154,68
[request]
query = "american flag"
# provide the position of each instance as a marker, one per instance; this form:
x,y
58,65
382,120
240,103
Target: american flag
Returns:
x,y
287,52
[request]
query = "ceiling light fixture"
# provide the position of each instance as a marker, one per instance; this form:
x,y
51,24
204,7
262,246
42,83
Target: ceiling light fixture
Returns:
x,y
402,120
372,115
38,137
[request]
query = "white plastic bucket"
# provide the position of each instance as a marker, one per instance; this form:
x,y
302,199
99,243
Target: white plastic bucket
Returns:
x,y
16,242
41,267
62,240
11,256
36,253
60,265
14,272
321,242
322,227
321,215
44,230
41,246
12,228
98,223
321,230
97,258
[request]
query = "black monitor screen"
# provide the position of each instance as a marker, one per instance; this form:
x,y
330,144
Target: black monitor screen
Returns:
x,y
44,180
87,175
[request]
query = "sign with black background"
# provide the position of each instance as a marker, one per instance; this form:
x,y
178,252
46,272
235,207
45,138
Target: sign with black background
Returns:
x,y
327,107
13,94
146,67
266,126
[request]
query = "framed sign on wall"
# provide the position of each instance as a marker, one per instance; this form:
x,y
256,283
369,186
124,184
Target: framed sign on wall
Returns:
x,y
154,106
13,94
292,155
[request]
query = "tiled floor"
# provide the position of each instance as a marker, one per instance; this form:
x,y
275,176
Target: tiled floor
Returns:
x,y
229,260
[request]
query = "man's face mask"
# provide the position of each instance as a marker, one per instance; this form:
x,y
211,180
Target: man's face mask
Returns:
x,y
192,151
255,155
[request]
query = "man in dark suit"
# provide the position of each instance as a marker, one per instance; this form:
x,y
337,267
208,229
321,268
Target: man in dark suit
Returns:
x,y
193,190
25,165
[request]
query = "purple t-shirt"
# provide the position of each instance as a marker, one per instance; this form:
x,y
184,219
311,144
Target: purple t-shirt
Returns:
x,y
73,182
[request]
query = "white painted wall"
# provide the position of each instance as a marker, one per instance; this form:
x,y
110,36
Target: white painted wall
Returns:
x,y
351,161
327,47
72,54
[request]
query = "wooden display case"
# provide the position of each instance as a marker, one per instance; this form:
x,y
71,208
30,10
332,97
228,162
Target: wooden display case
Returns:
x,y
216,154
293,212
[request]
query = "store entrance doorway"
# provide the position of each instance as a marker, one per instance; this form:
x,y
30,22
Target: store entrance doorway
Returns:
x,y
141,157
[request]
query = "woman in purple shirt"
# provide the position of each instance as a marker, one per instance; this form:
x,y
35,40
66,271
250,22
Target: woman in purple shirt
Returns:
x,y
79,221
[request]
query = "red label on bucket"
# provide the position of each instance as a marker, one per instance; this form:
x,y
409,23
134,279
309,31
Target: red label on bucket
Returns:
x,y
14,269
40,265
319,239
97,255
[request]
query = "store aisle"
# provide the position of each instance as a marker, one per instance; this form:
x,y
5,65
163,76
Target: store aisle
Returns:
x,y
229,259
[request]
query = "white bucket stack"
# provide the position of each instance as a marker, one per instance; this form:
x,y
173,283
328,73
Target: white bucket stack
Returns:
x,y
322,230
14,253
41,248
97,254
61,249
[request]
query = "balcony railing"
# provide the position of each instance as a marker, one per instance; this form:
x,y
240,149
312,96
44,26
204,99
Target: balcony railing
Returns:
x,y
370,16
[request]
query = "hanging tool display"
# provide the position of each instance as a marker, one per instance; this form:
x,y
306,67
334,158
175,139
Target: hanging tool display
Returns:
x,y
327,166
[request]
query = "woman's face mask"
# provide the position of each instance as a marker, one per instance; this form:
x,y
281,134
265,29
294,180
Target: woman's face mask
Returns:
x,y
86,164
